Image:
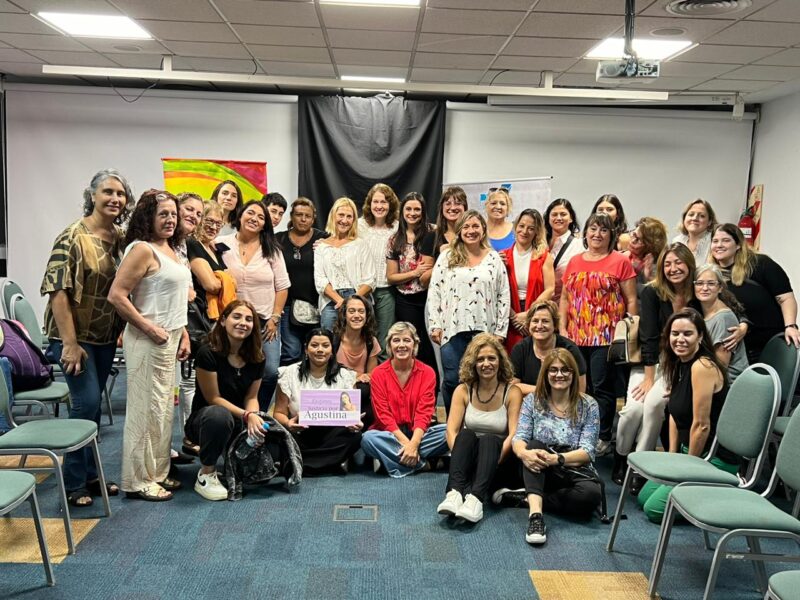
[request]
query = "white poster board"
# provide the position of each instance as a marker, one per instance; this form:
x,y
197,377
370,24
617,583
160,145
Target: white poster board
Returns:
x,y
532,192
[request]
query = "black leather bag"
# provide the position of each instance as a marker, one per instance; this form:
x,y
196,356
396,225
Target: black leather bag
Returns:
x,y
198,326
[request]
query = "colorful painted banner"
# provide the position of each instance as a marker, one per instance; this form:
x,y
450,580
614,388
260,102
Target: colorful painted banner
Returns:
x,y
329,407
754,202
201,176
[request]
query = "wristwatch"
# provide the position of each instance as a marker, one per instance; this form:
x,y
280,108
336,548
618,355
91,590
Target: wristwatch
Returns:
x,y
792,326
561,460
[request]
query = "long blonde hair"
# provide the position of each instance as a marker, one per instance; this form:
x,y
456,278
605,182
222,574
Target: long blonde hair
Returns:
x,y
458,250
744,261
330,227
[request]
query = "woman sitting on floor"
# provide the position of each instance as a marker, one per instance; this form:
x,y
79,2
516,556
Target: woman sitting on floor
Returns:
x,y
357,348
228,372
555,440
403,400
482,422
323,448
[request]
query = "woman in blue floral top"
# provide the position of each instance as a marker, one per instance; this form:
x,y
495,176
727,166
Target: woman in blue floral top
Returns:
x,y
555,438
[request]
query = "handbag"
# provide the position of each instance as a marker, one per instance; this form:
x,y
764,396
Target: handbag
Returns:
x,y
303,314
625,348
198,326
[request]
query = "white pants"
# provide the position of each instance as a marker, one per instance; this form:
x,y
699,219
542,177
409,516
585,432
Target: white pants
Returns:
x,y
640,420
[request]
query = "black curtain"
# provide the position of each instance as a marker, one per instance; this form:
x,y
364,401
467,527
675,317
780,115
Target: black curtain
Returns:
x,y
346,145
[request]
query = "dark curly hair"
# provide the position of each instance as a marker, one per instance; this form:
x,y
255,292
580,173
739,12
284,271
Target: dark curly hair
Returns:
x,y
370,328
140,225
269,245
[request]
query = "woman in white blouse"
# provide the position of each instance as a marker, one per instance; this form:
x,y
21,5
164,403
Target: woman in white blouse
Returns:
x,y
698,222
562,229
468,294
342,264
375,227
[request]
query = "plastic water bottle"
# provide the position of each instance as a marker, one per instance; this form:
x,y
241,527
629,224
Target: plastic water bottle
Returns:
x,y
255,442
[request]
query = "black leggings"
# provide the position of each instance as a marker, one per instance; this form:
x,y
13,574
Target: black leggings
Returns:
x,y
561,491
210,427
411,308
473,463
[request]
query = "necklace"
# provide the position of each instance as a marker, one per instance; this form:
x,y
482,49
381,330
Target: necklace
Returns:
x,y
558,410
490,398
245,248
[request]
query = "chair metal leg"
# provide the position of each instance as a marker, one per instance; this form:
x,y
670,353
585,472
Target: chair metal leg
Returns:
x,y
37,521
707,541
101,477
64,503
107,398
758,565
618,516
661,548
719,555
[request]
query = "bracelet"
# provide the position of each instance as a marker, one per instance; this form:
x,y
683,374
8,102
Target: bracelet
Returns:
x,y
276,318
792,326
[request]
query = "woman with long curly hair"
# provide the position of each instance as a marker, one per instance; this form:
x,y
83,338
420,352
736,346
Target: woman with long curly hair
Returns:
x,y
480,427
151,292
354,332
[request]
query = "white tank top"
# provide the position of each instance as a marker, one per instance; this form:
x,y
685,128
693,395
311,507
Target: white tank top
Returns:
x,y
163,297
492,421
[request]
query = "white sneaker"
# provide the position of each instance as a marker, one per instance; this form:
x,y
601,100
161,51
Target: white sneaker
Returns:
x,y
471,510
602,448
451,504
209,487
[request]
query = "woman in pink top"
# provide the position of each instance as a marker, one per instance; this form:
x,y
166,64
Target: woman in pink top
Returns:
x,y
357,347
255,262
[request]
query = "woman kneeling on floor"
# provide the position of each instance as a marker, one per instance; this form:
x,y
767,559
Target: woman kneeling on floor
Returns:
x,y
323,448
555,440
483,419
403,400
228,372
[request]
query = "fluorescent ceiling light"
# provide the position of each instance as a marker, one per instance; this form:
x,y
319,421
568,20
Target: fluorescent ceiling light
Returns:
x,y
645,48
373,2
103,26
373,79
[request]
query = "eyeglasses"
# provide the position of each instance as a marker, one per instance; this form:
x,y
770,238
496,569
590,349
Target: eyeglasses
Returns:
x,y
213,224
706,284
554,371
296,253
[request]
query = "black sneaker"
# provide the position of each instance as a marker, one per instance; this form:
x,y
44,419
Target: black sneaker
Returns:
x,y
511,498
537,530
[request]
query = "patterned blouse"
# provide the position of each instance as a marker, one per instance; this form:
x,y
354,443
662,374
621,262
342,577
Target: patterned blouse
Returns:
x,y
552,430
469,298
344,267
407,261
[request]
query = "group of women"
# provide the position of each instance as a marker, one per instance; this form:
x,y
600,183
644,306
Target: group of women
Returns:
x,y
519,314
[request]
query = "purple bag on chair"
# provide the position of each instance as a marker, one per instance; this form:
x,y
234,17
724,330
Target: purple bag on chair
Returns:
x,y
29,367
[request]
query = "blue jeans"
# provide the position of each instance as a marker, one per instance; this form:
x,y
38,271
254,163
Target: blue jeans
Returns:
x,y
272,354
292,338
86,393
385,447
384,315
452,352
328,313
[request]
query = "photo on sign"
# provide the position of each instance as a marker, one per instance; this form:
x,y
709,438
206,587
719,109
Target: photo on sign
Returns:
x,y
332,408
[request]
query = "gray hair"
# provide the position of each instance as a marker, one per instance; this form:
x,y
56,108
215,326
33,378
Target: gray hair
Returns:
x,y
94,185
710,267
397,329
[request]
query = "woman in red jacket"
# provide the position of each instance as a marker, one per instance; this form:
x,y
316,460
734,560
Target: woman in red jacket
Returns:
x,y
531,275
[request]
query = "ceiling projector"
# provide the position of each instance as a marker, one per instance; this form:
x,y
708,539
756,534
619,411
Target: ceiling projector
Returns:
x,y
627,70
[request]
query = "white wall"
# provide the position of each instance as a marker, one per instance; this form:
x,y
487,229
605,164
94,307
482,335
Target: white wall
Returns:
x,y
59,137
655,161
776,162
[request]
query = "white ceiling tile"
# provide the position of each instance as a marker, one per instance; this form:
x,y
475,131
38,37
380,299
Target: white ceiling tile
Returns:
x,y
593,27
263,12
656,9
781,11
533,63
368,71
585,65
687,69
763,73
110,45
478,22
189,32
24,68
374,18
224,65
596,7
75,6
696,29
466,44
446,75
295,69
13,55
169,10
533,46
132,60
21,23
786,58
283,36
210,50
291,53
533,78
380,58
734,55
78,59
733,85
371,40
440,60
756,33
520,5
6,6
26,41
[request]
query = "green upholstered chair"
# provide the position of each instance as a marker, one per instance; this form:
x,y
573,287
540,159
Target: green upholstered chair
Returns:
x,y
784,586
744,428
736,513
15,488
785,359
8,288
52,438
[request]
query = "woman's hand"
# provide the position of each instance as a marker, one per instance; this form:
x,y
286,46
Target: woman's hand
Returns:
x,y
255,426
792,336
535,460
436,336
356,427
271,331
363,378
293,426
640,391
158,335
736,336
184,347
519,321
192,294
72,357
422,268
337,304
409,454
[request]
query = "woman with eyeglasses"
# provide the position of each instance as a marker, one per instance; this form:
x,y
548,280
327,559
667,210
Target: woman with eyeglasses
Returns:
x,y
609,204
301,312
761,286
718,305
229,196
498,207
563,239
698,223
555,440
647,240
